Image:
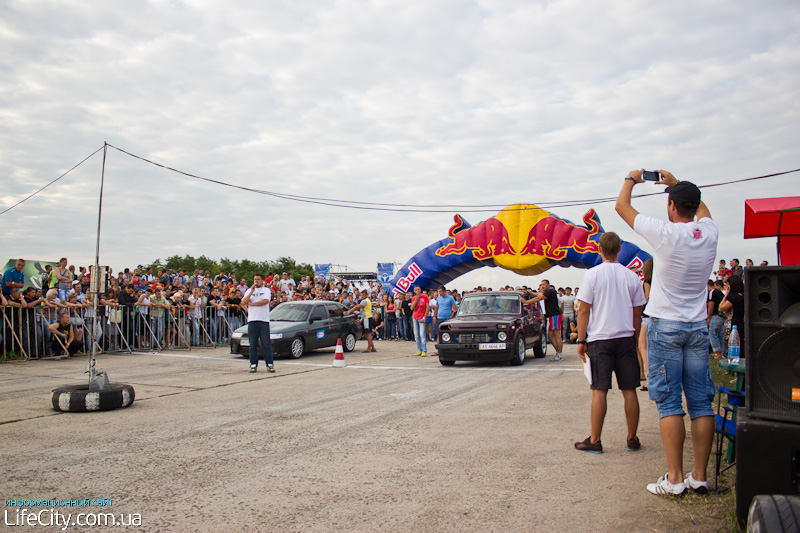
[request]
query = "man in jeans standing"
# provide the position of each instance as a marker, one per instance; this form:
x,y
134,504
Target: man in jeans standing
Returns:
x,y
446,309
677,336
420,306
257,300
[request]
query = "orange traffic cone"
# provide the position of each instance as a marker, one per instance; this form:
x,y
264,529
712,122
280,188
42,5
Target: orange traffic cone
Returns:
x,y
338,359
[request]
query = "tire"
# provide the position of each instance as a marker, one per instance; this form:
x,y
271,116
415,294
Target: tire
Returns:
x,y
79,399
349,342
519,352
540,348
297,348
445,362
770,513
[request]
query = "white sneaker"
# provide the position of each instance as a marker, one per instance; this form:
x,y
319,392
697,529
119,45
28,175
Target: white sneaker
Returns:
x,y
663,486
700,487
557,357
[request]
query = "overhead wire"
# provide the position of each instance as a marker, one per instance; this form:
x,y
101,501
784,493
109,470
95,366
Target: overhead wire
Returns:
x,y
389,207
423,208
49,184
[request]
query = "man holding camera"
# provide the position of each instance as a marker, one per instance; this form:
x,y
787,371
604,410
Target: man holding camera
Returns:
x,y
677,336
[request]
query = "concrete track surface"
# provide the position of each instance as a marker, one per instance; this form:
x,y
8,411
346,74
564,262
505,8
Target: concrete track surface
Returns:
x,y
390,443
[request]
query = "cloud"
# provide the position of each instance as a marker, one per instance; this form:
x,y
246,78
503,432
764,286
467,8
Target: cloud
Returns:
x,y
452,102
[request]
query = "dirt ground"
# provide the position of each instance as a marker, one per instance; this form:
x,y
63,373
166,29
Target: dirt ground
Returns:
x,y
392,442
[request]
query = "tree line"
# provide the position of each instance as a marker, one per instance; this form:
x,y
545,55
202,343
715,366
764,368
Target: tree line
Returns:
x,y
245,267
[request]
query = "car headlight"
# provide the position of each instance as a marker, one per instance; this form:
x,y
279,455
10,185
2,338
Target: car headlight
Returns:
x,y
502,336
445,337
237,336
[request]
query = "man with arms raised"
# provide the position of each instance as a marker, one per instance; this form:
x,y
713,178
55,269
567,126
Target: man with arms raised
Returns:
x,y
609,319
677,336
552,312
257,300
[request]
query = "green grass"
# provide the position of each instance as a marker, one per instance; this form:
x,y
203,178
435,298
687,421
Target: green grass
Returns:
x,y
11,356
715,512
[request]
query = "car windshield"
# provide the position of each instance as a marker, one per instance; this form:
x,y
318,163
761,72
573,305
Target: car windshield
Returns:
x,y
290,312
489,303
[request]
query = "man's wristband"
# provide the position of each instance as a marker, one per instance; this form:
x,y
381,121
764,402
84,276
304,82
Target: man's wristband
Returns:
x,y
630,178
583,342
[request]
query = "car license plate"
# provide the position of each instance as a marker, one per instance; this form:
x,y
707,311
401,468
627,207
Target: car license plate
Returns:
x,y
245,342
492,346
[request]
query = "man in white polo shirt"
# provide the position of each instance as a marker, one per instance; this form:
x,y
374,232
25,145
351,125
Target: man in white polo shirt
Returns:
x,y
257,300
684,251
609,318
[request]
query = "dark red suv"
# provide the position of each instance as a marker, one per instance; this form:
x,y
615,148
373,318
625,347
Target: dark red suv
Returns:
x,y
493,326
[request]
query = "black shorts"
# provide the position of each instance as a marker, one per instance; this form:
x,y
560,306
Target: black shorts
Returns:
x,y
614,355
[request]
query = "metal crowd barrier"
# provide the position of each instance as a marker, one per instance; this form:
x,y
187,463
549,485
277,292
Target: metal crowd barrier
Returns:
x,y
117,328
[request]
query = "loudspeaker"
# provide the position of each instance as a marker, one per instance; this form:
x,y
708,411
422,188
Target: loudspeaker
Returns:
x,y
772,342
767,459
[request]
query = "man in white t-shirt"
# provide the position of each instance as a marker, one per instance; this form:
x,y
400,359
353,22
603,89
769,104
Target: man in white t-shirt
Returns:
x,y
608,324
287,283
684,251
257,300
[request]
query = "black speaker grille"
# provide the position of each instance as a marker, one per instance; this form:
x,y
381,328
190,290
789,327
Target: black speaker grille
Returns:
x,y
772,342
774,372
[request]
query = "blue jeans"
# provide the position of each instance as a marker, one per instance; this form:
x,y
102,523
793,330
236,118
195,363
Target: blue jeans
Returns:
x,y
401,327
716,330
419,333
258,332
212,327
158,329
678,357
196,331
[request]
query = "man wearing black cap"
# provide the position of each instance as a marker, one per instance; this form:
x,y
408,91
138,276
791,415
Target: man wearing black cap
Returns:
x,y
684,251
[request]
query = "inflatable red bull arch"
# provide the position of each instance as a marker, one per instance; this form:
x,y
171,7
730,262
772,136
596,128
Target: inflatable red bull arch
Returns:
x,y
522,238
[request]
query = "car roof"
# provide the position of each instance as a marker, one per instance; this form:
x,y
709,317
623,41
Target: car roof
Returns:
x,y
492,293
311,302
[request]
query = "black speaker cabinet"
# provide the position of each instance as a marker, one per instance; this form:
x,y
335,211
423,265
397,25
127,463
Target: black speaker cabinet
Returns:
x,y
767,460
772,342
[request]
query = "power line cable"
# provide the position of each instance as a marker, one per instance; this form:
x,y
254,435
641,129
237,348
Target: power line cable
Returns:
x,y
375,206
418,208
49,184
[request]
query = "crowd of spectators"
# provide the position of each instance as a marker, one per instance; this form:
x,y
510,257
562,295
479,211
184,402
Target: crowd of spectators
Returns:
x,y
146,309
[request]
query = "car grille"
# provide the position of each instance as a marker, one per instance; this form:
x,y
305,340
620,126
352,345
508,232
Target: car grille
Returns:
x,y
470,338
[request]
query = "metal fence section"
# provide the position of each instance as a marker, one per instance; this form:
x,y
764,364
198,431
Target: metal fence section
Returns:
x,y
26,334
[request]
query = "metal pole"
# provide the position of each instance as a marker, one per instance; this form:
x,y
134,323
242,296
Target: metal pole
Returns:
x,y
96,297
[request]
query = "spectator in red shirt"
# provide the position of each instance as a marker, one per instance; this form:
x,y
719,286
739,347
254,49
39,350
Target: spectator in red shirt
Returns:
x,y
420,304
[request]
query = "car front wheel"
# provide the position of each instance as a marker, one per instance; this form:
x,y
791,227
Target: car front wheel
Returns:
x,y
540,347
297,348
445,362
519,352
349,343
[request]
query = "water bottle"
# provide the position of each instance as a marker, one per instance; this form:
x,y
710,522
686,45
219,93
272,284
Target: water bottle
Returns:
x,y
733,347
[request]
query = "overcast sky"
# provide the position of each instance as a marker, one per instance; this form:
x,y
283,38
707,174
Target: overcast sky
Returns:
x,y
436,102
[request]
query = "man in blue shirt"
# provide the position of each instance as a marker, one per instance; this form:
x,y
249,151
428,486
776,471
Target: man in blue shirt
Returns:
x,y
13,278
446,309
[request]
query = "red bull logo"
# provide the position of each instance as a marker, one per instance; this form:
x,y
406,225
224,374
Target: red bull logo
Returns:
x,y
487,239
636,265
552,237
404,283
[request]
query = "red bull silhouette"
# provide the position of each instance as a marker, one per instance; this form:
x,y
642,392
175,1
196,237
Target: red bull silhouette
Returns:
x,y
552,237
487,239
521,238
